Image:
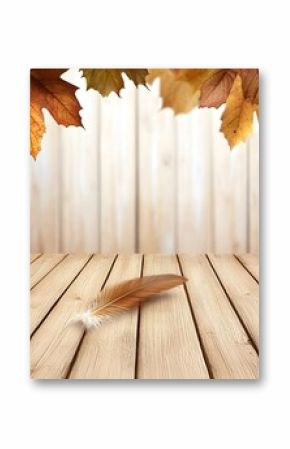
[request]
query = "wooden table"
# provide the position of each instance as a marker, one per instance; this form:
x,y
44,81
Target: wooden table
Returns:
x,y
208,329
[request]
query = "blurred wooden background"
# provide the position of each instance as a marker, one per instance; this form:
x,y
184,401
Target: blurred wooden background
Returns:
x,y
138,179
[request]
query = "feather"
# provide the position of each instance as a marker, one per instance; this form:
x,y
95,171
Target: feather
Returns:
x,y
125,296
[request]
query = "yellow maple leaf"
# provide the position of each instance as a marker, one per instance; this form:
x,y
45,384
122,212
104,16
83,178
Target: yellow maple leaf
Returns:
x,y
237,118
49,91
176,94
37,129
195,77
106,81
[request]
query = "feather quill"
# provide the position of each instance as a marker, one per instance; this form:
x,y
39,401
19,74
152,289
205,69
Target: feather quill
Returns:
x,y
125,296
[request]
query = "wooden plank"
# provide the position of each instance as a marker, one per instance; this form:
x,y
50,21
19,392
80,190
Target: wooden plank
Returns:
x,y
157,174
117,159
222,204
242,289
88,166
194,182
45,199
34,207
54,344
238,191
47,292
229,352
251,262
109,351
168,344
42,266
80,174
253,148
35,256
229,192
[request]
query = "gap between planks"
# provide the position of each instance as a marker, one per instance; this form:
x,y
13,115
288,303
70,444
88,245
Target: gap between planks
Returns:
x,y
43,266
242,292
55,344
250,262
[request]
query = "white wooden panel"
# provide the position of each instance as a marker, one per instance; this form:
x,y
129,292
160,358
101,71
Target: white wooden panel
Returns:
x,y
194,182
239,192
157,174
117,194
80,174
229,192
253,149
46,197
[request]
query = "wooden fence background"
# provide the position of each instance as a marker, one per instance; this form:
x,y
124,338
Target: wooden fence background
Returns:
x,y
138,179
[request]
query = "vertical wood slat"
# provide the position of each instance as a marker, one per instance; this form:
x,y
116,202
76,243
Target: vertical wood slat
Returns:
x,y
45,192
157,177
253,148
117,165
147,182
80,175
229,193
194,182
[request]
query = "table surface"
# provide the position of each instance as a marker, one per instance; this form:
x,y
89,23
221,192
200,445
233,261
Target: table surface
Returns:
x,y
208,329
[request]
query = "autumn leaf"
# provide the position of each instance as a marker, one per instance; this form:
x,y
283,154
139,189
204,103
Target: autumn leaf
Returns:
x,y
250,83
195,77
237,118
49,91
175,93
106,81
215,90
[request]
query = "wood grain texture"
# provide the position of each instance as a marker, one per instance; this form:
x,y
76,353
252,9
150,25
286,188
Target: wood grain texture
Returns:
x,y
168,344
46,193
35,256
196,333
42,266
242,289
47,292
109,351
157,178
194,224
251,262
229,352
117,171
54,344
229,195
253,149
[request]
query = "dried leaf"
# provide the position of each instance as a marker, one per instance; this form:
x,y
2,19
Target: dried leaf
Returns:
x,y
215,90
127,295
175,93
106,81
37,129
195,77
250,83
237,119
48,90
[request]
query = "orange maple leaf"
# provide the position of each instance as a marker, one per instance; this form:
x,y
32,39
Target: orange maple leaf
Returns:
x,y
49,91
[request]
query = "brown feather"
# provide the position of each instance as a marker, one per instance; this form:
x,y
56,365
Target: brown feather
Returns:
x,y
129,294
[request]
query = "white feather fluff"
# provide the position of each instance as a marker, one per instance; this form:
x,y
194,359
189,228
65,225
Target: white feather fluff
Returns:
x,y
88,320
